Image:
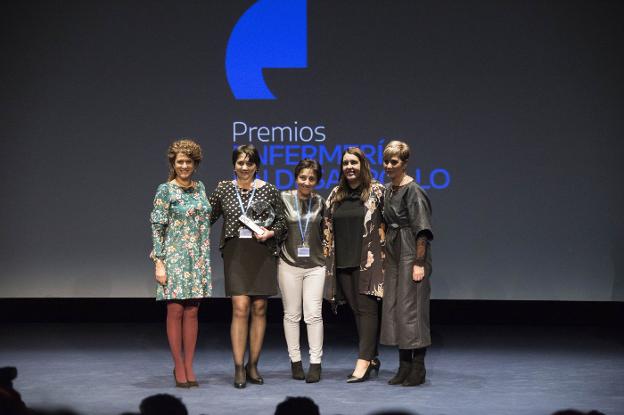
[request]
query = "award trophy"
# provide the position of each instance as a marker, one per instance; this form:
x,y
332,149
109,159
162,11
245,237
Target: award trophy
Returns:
x,y
259,214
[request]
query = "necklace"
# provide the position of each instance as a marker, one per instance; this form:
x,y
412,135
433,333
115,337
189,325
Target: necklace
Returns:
x,y
245,190
184,186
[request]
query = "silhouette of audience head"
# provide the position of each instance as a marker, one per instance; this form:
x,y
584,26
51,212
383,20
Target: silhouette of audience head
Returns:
x,y
10,399
162,404
299,405
576,412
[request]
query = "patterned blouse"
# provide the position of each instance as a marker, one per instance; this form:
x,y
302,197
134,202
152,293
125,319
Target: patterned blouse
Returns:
x,y
181,239
224,202
373,240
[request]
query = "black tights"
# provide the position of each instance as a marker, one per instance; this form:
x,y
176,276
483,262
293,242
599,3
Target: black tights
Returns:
x,y
241,330
365,310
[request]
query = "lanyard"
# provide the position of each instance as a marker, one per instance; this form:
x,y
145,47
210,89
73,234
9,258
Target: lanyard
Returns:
x,y
240,200
302,229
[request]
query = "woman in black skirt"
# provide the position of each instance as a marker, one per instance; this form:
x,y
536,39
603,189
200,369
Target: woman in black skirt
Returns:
x,y
249,258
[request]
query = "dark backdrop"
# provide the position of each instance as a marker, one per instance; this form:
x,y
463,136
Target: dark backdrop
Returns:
x,y
513,110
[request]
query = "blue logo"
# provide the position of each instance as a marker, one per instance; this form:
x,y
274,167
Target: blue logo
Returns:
x,y
270,34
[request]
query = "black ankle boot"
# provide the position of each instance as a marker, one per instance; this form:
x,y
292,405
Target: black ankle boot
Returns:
x,y
297,370
314,373
418,372
405,365
240,378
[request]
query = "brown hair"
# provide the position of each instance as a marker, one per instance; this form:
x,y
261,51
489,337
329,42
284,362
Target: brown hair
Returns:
x,y
365,176
309,164
187,147
397,148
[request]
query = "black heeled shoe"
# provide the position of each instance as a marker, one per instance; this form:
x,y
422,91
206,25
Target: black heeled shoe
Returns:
x,y
296,369
376,363
369,369
256,381
240,379
180,384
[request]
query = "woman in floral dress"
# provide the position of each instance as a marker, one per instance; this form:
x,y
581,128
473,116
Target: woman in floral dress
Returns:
x,y
180,223
354,259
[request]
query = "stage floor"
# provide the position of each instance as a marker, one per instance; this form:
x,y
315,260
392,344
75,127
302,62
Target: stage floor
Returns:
x,y
109,368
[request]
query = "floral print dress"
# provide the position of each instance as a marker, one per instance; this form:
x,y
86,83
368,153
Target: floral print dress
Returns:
x,y
181,238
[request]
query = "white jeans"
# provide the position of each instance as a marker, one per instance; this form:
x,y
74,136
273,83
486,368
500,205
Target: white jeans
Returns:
x,y
302,286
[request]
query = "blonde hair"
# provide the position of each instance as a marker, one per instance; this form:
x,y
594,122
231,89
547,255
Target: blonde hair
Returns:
x,y
187,147
397,148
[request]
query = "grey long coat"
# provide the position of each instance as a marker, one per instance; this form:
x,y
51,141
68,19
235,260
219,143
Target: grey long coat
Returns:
x,y
405,312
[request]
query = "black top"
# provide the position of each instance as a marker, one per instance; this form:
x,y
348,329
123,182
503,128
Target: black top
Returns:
x,y
225,203
349,230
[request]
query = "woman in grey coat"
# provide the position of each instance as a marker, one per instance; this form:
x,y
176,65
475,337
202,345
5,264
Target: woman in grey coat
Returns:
x,y
407,267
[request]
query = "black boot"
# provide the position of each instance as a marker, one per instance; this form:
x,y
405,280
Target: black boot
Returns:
x,y
314,373
297,370
417,373
405,365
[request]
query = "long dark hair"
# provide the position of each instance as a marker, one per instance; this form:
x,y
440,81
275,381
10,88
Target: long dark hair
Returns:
x,y
366,177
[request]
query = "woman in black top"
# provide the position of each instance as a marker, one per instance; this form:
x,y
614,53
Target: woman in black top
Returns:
x,y
353,240
405,315
249,258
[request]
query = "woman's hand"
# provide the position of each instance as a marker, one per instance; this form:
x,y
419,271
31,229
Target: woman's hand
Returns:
x,y
266,235
418,273
159,273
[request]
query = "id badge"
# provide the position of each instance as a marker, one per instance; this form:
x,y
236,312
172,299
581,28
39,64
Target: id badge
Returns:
x,y
303,251
244,233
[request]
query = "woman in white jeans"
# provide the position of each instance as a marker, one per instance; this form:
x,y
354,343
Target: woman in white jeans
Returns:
x,y
301,271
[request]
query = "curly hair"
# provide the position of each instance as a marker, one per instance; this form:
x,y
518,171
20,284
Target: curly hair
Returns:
x,y
187,147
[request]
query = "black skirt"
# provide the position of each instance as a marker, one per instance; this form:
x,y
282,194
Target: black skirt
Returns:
x,y
250,268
